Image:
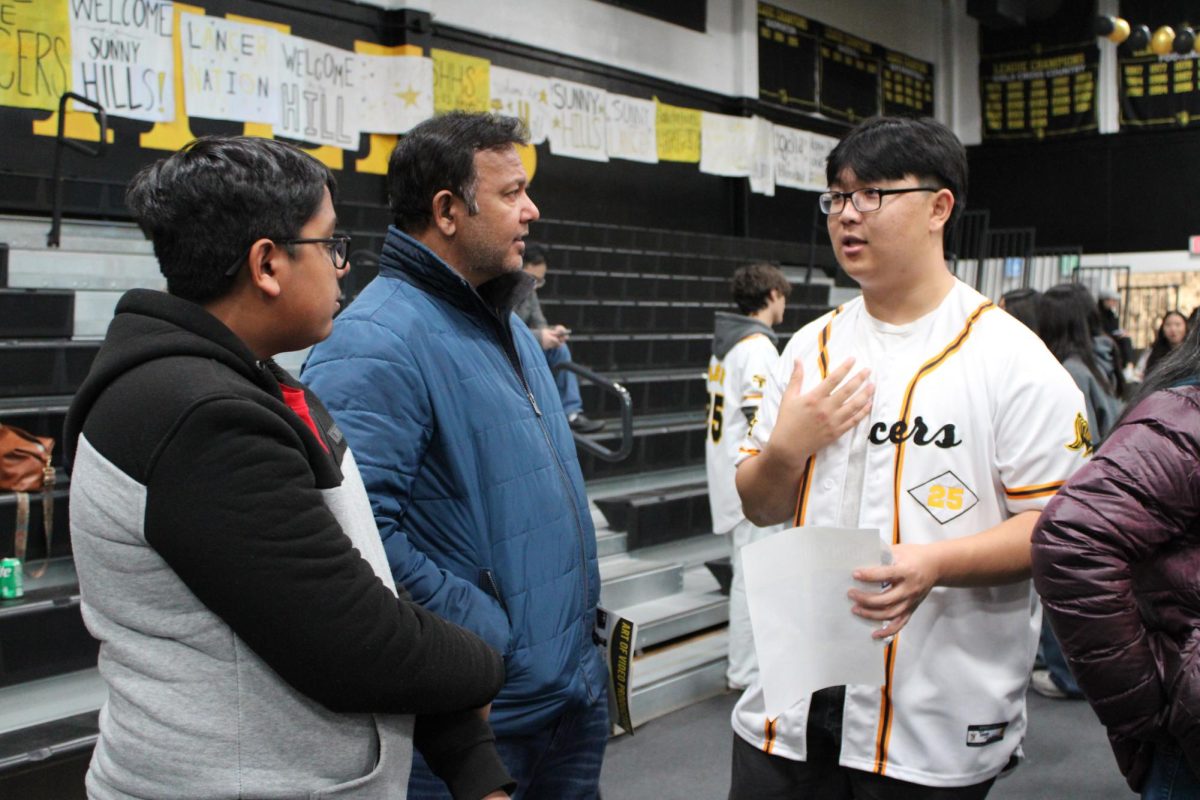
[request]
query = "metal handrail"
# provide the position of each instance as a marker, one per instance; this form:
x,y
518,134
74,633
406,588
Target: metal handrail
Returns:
x,y
53,239
612,387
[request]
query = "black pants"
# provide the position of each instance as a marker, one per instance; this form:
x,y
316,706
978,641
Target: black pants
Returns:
x,y
761,776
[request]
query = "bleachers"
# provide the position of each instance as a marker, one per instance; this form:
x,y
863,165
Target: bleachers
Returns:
x,y
640,303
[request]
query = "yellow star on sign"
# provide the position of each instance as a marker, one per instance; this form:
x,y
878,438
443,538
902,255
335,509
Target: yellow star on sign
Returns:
x,y
542,97
409,96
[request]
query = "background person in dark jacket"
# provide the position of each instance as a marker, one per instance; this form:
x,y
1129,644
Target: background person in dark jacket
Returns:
x,y
553,339
1116,559
252,640
466,452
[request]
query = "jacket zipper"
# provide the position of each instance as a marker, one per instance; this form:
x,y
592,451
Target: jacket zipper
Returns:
x,y
513,361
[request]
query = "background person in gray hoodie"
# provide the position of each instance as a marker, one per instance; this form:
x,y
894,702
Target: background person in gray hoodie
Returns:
x,y
744,353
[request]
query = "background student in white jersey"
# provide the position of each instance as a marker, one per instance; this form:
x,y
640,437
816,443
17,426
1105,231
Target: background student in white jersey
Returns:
x,y
971,428
744,353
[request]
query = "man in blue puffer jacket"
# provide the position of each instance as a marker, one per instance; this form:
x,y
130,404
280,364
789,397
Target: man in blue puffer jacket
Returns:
x,y
465,451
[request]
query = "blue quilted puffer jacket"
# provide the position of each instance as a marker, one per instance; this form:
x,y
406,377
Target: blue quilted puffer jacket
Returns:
x,y
454,418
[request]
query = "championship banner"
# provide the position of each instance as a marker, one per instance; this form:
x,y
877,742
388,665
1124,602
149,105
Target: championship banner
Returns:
x,y
850,76
524,96
393,93
318,87
578,120
726,145
907,85
1032,97
229,69
678,133
460,83
787,58
632,133
35,54
124,61
1159,91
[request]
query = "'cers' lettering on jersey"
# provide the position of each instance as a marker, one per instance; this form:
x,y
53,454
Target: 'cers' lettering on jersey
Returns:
x,y
944,437
945,497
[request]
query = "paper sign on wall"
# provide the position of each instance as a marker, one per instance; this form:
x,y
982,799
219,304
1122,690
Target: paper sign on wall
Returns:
x,y
317,91
35,54
762,165
524,96
460,83
726,145
818,154
632,132
124,62
394,93
578,121
791,157
678,133
229,69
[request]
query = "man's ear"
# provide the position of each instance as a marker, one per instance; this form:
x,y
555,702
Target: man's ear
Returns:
x,y
264,264
943,206
444,212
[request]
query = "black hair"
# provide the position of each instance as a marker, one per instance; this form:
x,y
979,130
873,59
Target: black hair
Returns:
x,y
534,253
890,148
440,154
1023,304
1063,325
1178,366
206,204
752,285
1161,347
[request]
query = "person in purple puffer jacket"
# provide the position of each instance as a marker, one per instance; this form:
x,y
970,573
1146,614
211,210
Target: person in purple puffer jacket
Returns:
x,y
1116,559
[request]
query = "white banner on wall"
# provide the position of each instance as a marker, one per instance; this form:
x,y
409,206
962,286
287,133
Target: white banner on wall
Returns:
x,y
791,158
318,93
762,165
726,145
578,124
632,129
229,69
124,62
394,93
818,154
525,96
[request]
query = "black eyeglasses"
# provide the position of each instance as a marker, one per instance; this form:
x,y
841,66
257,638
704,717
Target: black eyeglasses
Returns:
x,y
338,247
865,200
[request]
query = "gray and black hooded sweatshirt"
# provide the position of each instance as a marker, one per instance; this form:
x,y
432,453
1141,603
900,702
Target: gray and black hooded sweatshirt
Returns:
x,y
251,638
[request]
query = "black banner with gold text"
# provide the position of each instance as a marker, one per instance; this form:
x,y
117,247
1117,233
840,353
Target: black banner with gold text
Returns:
x,y
1159,91
1039,95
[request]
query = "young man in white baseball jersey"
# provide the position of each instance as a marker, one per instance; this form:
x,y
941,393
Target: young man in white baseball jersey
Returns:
x,y
744,353
967,429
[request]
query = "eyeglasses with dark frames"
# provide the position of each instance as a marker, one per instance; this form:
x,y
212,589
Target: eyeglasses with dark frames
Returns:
x,y
337,246
865,200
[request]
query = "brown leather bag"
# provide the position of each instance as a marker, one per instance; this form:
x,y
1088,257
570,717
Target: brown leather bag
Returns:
x,y
24,468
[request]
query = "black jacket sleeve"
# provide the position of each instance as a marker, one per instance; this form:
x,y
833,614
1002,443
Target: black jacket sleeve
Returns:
x,y
460,749
233,509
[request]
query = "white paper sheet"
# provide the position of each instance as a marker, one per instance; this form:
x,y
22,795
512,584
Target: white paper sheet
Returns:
x,y
804,634
229,69
124,61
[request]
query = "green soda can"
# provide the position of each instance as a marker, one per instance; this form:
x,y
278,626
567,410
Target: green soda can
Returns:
x,y
12,579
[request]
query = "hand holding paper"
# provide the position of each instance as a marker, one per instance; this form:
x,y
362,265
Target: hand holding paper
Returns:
x,y
910,576
804,634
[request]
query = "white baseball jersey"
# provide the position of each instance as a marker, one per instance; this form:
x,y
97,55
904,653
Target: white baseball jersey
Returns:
x,y
973,421
735,383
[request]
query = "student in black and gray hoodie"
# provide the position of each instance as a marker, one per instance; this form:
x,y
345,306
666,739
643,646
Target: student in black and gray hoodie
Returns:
x,y
252,638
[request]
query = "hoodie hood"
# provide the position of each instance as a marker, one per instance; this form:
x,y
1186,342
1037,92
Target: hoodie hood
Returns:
x,y
730,329
149,325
